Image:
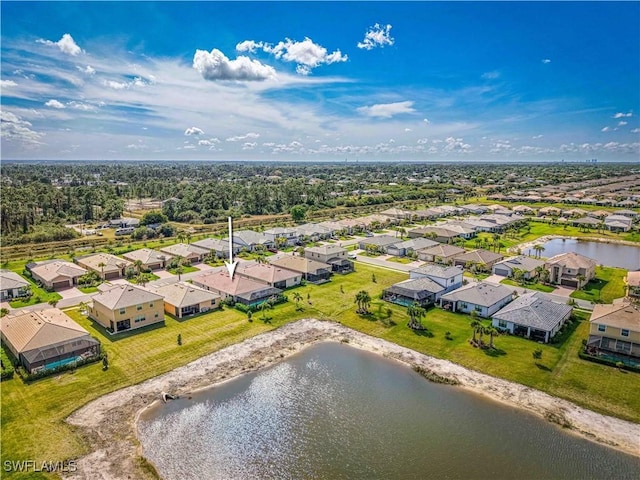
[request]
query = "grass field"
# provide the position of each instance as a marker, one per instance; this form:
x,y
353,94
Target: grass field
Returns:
x,y
532,286
605,287
33,415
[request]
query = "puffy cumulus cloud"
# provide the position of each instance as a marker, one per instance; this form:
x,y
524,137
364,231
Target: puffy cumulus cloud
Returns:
x,y
115,85
456,145
376,36
7,83
306,54
208,143
53,103
426,120
193,131
88,70
66,45
249,145
387,110
610,147
242,137
546,61
215,65
622,115
14,129
605,129
622,123
85,107
635,130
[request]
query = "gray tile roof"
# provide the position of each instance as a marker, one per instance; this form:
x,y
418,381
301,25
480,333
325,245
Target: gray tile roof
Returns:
x,y
10,280
147,256
438,271
522,262
535,311
416,285
572,260
121,296
484,294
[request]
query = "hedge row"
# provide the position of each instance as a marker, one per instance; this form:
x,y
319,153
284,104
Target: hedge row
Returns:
x,y
7,366
30,377
610,363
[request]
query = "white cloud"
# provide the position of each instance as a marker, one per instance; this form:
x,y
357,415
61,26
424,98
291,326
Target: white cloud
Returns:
x,y
66,45
408,130
243,137
7,83
249,145
387,110
53,103
89,70
249,46
622,115
635,130
376,36
535,137
215,65
426,120
193,131
115,85
422,141
82,106
208,143
546,61
605,129
14,129
491,75
622,123
137,146
456,145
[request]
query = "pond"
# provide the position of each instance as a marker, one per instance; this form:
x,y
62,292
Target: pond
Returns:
x,y
335,412
608,254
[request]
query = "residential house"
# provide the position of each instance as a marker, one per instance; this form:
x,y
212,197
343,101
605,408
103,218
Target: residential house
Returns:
x,y
107,266
618,223
441,253
289,235
46,339
480,258
549,211
119,308
331,254
312,271
408,247
249,240
56,274
239,289
422,291
269,274
633,285
484,298
440,234
448,277
614,331
378,243
627,213
474,208
218,247
397,214
182,299
586,222
533,316
124,222
188,252
12,286
523,210
151,259
312,232
570,269
528,265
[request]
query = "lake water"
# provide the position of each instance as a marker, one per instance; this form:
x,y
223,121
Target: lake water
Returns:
x,y
609,254
334,412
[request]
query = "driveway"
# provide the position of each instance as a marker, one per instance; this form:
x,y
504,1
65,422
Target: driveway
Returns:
x,y
163,274
70,293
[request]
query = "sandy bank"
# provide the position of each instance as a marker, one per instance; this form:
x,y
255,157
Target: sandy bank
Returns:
x,y
108,423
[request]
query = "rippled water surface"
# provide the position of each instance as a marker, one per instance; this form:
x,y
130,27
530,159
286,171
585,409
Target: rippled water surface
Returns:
x,y
334,412
608,254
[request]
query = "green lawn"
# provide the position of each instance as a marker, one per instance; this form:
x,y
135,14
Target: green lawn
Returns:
x,y
33,415
605,287
40,295
185,269
404,260
532,286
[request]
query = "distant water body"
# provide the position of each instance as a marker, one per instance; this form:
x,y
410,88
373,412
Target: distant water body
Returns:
x,y
608,254
334,412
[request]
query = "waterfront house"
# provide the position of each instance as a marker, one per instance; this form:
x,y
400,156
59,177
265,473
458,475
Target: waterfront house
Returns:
x,y
56,274
484,298
182,299
151,259
239,289
188,252
586,222
570,269
614,331
441,253
107,266
119,308
45,339
422,291
618,223
312,271
449,278
482,259
532,316
528,265
271,275
331,254
633,285
12,286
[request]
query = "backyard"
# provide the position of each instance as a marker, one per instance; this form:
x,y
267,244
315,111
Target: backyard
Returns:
x,y
607,285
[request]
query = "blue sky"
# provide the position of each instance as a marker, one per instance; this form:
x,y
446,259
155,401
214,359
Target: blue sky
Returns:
x,y
379,81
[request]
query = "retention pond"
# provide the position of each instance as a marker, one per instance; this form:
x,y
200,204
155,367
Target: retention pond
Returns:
x,y
608,254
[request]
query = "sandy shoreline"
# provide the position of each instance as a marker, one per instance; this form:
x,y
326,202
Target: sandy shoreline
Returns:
x,y
107,424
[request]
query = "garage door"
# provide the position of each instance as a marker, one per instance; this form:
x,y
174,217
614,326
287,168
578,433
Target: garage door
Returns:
x,y
64,284
569,283
111,275
502,272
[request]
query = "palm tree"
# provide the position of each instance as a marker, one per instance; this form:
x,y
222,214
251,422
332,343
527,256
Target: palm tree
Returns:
x,y
416,313
263,309
492,332
138,264
539,271
539,249
581,278
476,325
363,299
297,298
180,236
102,265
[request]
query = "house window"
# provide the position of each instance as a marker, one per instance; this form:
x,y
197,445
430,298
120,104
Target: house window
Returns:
x,y
151,305
624,332
155,316
478,308
213,302
464,305
122,311
138,307
602,328
139,318
502,323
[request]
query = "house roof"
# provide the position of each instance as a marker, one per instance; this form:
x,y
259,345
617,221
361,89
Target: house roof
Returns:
x,y
587,221
483,293
51,269
624,314
27,330
147,256
249,237
533,310
380,240
633,279
416,243
265,272
236,286
572,260
299,264
416,285
479,256
182,294
438,271
329,249
121,296
10,280
185,250
111,262
442,250
522,262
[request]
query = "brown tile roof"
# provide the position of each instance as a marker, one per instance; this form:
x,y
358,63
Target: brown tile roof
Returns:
x,y
624,314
